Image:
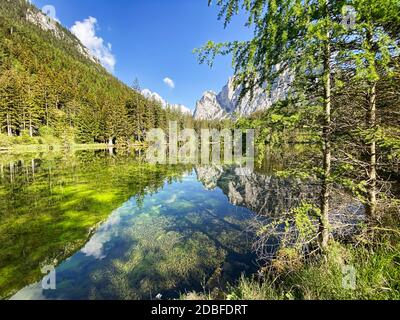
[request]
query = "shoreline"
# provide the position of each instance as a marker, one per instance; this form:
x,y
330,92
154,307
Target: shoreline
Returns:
x,y
42,148
32,148
20,148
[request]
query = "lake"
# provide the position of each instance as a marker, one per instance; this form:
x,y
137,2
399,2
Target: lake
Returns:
x,y
115,227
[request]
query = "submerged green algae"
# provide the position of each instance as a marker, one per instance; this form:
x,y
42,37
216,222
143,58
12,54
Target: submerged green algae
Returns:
x,y
49,207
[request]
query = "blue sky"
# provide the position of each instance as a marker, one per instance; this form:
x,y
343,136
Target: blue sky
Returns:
x,y
153,40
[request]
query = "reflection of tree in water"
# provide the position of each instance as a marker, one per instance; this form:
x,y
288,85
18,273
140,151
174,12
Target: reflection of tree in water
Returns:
x,y
50,205
283,206
200,244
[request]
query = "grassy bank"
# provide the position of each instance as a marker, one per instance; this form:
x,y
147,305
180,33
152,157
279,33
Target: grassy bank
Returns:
x,y
33,148
377,277
47,143
373,255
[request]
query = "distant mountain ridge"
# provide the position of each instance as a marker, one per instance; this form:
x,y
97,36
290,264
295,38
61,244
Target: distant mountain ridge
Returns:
x,y
227,103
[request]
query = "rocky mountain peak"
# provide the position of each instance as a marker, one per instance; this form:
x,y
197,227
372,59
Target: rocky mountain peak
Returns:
x,y
47,23
227,103
209,108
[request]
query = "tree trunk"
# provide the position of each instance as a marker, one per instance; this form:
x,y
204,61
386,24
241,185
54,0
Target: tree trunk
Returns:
x,y
50,181
30,126
47,109
371,125
325,192
33,168
9,130
12,172
372,175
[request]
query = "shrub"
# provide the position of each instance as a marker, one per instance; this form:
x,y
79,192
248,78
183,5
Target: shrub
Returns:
x,y
25,138
6,141
46,131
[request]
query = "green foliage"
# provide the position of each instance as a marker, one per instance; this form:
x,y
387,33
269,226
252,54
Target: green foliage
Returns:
x,y
46,131
389,141
303,218
6,141
45,81
377,278
61,201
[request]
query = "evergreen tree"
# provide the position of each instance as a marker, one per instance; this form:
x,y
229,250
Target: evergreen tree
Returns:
x,y
294,36
47,82
371,50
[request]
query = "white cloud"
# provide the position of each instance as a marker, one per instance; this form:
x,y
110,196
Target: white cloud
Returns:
x,y
95,247
169,82
172,199
85,31
154,96
181,108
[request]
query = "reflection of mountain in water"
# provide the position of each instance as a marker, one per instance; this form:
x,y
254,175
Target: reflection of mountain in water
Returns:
x,y
178,239
272,196
267,195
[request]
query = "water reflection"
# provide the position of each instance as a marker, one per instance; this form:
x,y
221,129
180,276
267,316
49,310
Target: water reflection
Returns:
x,y
264,194
183,237
118,228
50,209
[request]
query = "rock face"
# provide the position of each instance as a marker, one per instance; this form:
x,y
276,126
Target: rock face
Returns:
x,y
46,23
208,108
227,103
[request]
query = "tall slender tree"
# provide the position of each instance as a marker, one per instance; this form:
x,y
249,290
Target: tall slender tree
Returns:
x,y
371,50
9,101
295,36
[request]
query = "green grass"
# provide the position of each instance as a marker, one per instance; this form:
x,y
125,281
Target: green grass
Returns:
x,y
43,143
377,278
375,258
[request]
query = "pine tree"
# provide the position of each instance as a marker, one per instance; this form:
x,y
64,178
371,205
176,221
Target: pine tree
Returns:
x,y
289,36
9,100
373,48
136,85
33,111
